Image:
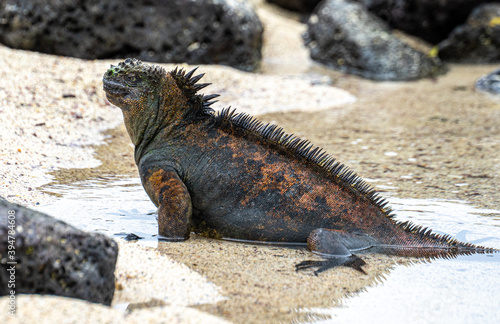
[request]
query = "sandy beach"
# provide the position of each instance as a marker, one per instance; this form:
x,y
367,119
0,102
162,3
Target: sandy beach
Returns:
x,y
433,138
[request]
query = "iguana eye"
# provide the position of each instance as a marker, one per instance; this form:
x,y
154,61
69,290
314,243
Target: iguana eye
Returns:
x,y
132,78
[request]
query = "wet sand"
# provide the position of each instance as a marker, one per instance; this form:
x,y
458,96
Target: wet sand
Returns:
x,y
262,285
425,139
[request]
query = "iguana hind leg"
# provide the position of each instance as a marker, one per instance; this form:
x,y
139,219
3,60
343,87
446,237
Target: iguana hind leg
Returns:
x,y
170,195
335,243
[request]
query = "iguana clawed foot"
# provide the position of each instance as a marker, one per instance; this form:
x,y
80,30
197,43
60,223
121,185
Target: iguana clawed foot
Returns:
x,y
351,261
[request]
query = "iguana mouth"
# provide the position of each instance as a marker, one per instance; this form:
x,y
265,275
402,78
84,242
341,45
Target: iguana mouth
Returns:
x,y
114,88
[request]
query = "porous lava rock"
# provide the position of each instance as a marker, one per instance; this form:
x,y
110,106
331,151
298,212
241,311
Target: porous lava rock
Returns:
x,y
304,6
430,20
490,83
196,31
345,36
478,40
42,255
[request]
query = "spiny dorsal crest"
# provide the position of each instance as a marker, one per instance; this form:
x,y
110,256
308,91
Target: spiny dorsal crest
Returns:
x,y
131,65
188,84
304,148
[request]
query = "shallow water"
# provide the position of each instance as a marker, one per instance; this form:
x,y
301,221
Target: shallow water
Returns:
x,y
463,290
460,290
110,206
118,205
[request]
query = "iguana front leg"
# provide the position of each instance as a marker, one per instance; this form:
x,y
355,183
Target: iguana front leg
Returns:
x,y
170,195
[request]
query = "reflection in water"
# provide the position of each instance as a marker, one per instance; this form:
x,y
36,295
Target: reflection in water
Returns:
x,y
461,290
464,290
466,223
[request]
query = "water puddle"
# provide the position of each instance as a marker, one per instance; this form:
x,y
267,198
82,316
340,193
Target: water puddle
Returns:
x,y
456,218
114,206
444,291
460,290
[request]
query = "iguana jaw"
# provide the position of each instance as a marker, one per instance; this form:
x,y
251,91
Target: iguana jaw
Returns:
x,y
115,91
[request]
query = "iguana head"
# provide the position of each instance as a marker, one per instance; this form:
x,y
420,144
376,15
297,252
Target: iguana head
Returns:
x,y
132,84
155,103
144,94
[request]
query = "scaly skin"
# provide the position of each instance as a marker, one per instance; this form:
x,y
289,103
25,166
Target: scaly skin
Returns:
x,y
226,175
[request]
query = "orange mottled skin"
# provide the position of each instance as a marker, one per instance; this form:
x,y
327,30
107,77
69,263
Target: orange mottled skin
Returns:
x,y
226,175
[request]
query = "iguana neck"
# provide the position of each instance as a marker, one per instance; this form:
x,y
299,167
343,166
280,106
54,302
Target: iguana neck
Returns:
x,y
164,118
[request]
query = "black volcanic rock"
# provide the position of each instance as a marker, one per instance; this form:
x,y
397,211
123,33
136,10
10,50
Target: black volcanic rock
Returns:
x,y
42,255
477,41
304,6
196,31
430,20
490,83
345,36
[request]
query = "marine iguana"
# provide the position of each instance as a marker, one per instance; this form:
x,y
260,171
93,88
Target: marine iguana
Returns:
x,y
227,175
